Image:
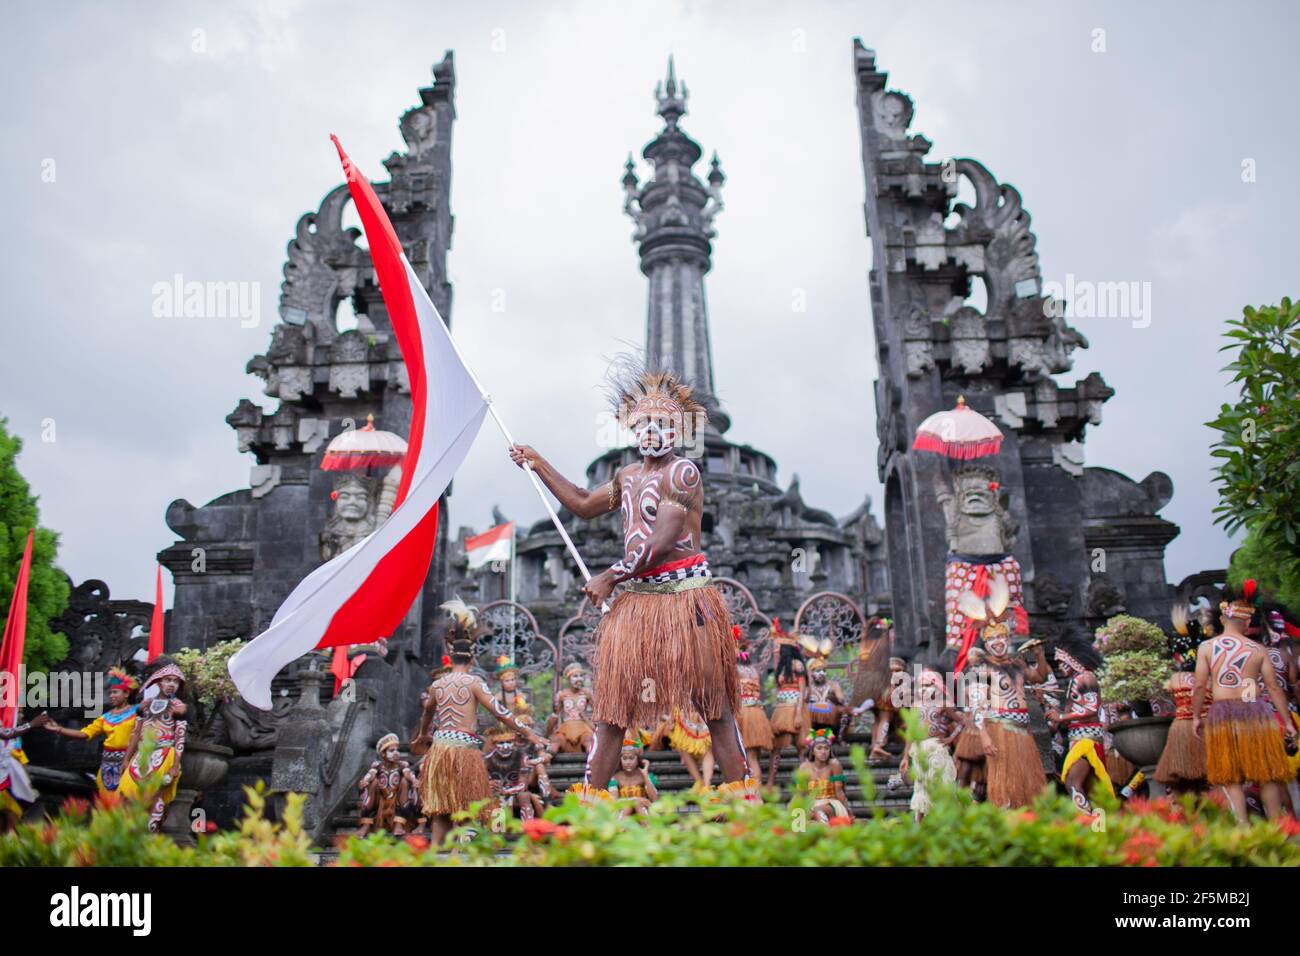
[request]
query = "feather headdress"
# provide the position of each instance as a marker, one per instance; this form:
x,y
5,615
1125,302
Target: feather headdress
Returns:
x,y
629,383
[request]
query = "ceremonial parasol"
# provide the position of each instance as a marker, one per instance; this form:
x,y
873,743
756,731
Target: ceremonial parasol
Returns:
x,y
961,433
365,447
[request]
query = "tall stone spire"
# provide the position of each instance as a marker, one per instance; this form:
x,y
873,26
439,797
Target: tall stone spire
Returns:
x,y
673,212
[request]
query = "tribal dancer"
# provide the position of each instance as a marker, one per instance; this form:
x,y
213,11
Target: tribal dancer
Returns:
x,y
1242,739
452,774
666,641
825,699
1276,629
825,778
1182,763
871,684
15,785
942,723
159,738
1085,760
789,716
513,777
115,725
633,785
569,727
388,791
755,728
969,752
1013,767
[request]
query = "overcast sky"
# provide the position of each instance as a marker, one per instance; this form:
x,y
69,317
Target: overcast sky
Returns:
x,y
169,160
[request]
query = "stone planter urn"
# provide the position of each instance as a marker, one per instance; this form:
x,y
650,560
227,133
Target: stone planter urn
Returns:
x,y
1141,741
203,765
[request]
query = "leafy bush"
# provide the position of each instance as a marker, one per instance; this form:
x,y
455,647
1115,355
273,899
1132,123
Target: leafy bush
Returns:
x,y
957,832
1136,660
1124,632
207,678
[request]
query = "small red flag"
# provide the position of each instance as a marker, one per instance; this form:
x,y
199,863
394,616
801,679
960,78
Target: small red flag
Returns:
x,y
156,623
11,650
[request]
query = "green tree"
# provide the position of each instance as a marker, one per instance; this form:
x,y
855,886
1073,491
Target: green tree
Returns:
x,y
47,590
1259,445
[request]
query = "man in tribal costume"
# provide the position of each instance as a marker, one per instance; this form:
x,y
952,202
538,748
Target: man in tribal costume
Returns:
x,y
665,643
515,780
1013,769
452,773
930,760
1085,757
387,791
157,744
1245,739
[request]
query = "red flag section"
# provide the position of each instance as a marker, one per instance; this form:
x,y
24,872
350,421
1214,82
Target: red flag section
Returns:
x,y
11,650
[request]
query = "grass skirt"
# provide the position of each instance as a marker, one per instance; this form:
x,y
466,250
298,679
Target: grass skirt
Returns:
x,y
1183,760
755,728
656,652
1118,769
1243,742
969,747
570,733
1015,774
685,742
789,719
938,768
451,778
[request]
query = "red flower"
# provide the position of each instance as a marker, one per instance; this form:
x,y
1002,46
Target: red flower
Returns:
x,y
1289,825
211,827
1140,849
76,806
538,829
779,831
840,821
1026,816
417,842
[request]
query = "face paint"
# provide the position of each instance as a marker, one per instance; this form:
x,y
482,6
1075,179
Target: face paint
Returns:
x,y
657,426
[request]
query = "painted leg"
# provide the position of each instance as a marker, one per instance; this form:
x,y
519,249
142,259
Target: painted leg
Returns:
x,y
727,748
1237,800
603,756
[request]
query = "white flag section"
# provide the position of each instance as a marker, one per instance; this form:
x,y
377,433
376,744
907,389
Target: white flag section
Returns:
x,y
365,592
495,544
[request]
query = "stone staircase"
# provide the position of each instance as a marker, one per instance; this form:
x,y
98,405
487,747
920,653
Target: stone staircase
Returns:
x,y
666,765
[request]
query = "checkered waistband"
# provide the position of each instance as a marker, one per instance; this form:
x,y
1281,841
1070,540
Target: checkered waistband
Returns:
x,y
1089,731
1011,716
457,738
677,576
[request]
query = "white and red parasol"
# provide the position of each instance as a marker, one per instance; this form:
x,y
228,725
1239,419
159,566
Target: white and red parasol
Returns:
x,y
364,447
961,433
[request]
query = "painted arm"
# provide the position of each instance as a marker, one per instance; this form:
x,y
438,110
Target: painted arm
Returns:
x,y
1279,698
486,698
580,501
1198,689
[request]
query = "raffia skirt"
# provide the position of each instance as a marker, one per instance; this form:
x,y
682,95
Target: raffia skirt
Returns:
x,y
658,651
790,719
755,728
452,777
938,768
1183,759
1243,742
570,733
687,741
1015,773
871,685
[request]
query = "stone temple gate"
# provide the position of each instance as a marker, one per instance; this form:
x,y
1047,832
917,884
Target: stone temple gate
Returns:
x,y
1088,540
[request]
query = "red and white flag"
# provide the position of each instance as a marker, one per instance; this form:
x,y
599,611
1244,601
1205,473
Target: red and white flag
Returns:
x,y
495,544
363,593
15,639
